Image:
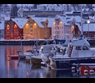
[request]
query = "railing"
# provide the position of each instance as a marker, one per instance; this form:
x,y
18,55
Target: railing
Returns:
x,y
83,54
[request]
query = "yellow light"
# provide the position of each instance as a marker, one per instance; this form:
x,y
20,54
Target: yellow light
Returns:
x,y
15,26
27,24
7,26
72,28
53,22
34,23
61,22
88,21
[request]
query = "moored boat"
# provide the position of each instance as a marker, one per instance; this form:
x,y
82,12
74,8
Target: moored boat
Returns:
x,y
78,51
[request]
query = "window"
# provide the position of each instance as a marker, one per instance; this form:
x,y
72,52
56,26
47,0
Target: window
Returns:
x,y
78,47
85,48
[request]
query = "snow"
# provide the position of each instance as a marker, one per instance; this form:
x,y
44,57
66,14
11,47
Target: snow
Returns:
x,y
2,25
89,27
20,21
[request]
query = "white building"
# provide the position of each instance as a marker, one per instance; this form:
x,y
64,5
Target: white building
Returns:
x,y
20,12
58,29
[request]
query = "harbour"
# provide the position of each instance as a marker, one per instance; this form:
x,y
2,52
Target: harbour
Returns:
x,y
47,45
21,69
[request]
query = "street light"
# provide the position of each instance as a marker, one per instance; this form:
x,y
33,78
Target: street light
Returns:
x,y
88,22
35,27
36,34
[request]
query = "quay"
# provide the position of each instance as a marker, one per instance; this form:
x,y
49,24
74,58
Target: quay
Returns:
x,y
34,42
26,41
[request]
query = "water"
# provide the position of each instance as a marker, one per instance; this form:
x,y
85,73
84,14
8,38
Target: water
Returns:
x,y
21,69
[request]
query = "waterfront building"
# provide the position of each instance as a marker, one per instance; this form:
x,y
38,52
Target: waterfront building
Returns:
x,y
38,29
61,29
13,28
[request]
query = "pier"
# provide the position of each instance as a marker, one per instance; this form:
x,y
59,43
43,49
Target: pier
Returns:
x,y
26,42
34,41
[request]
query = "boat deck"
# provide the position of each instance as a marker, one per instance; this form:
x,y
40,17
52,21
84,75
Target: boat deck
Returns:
x,y
71,58
84,64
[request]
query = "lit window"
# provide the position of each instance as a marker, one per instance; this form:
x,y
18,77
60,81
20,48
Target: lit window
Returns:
x,y
8,26
53,22
61,22
15,26
72,28
26,24
34,23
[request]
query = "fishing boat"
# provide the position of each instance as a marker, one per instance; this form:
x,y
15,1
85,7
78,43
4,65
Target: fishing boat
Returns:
x,y
78,51
42,54
37,59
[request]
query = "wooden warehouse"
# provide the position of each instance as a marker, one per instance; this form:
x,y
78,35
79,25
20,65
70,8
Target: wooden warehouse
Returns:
x,y
35,28
12,30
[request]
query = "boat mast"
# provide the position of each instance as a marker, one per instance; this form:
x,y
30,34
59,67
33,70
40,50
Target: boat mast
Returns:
x,y
81,22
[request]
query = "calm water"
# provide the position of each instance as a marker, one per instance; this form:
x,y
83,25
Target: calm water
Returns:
x,y
21,69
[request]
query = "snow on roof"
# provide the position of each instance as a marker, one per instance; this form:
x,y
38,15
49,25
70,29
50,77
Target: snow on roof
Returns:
x,y
7,18
80,43
94,9
2,25
20,21
87,9
50,22
77,18
91,27
38,21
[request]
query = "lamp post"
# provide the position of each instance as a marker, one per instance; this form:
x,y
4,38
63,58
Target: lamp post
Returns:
x,y
35,26
81,22
36,34
88,22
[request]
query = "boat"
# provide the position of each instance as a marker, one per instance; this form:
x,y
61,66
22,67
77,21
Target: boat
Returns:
x,y
41,56
36,60
14,57
78,51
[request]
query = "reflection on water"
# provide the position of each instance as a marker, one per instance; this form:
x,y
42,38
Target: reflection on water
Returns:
x,y
21,69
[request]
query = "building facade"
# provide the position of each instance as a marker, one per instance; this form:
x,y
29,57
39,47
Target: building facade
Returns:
x,y
36,29
11,30
58,29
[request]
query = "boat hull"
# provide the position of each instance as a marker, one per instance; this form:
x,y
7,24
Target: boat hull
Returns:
x,y
68,63
36,61
14,57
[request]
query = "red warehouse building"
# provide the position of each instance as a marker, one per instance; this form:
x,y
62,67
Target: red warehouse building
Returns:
x,y
12,30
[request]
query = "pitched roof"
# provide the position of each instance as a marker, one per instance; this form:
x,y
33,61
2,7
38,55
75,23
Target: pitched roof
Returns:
x,y
20,21
50,21
2,25
38,20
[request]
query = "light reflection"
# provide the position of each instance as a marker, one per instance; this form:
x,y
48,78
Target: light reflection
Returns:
x,y
15,64
27,73
8,58
8,65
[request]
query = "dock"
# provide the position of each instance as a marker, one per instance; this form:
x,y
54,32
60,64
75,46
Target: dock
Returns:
x,y
26,41
84,64
34,41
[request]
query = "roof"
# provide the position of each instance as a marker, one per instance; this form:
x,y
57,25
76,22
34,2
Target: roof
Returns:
x,y
81,42
2,25
20,21
50,21
88,27
38,20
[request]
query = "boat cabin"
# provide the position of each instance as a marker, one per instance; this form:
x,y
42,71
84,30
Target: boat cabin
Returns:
x,y
46,48
79,48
